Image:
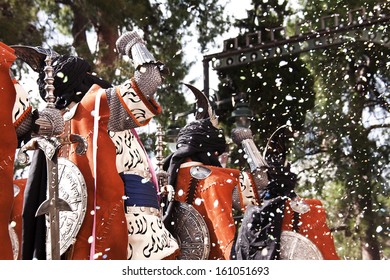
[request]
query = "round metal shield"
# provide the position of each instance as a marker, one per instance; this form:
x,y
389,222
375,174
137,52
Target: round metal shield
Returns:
x,y
295,246
72,189
190,231
14,241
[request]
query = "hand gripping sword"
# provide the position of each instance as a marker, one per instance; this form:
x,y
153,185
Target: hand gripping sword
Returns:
x,y
50,143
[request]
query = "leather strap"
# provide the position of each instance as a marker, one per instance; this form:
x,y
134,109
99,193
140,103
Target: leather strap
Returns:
x,y
65,149
191,190
295,221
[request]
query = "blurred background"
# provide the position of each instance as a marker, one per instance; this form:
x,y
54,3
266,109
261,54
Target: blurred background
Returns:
x,y
321,67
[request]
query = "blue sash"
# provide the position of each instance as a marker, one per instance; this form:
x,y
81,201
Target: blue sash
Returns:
x,y
139,192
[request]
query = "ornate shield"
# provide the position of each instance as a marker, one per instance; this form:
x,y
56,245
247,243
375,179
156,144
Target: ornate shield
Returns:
x,y
191,232
294,246
72,189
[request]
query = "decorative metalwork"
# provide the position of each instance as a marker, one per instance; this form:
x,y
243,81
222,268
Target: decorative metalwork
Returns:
x,y
16,190
159,151
200,172
191,232
14,241
50,143
12,233
294,246
360,26
53,204
167,191
299,205
73,190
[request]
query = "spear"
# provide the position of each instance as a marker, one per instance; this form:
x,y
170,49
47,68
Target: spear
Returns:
x,y
51,126
50,138
162,176
50,146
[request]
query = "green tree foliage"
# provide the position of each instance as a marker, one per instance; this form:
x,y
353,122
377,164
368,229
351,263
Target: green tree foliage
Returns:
x,y
19,23
342,153
92,27
329,95
345,144
279,90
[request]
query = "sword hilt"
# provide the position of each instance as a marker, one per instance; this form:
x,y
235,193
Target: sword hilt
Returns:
x,y
48,145
82,144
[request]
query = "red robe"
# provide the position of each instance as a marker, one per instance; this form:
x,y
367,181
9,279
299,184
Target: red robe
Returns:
x,y
213,200
110,223
8,145
313,226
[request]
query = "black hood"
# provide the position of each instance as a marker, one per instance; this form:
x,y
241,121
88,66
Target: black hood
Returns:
x,y
198,141
72,74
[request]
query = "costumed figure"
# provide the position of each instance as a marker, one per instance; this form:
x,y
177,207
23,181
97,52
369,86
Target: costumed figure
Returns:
x,y
283,225
148,237
24,119
8,144
200,216
104,117
16,121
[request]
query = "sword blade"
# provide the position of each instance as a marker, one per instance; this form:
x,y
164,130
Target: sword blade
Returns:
x,y
51,207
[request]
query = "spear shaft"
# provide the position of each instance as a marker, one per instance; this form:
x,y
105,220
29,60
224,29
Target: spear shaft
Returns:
x,y
50,146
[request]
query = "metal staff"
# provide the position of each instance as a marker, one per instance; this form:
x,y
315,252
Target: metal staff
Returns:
x,y
162,176
51,126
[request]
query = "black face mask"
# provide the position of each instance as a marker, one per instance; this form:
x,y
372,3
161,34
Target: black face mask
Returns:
x,y
200,141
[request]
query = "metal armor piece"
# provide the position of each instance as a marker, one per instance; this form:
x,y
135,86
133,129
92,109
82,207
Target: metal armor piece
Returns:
x,y
34,56
190,231
14,241
294,246
12,233
299,206
204,109
131,44
200,172
16,190
73,190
